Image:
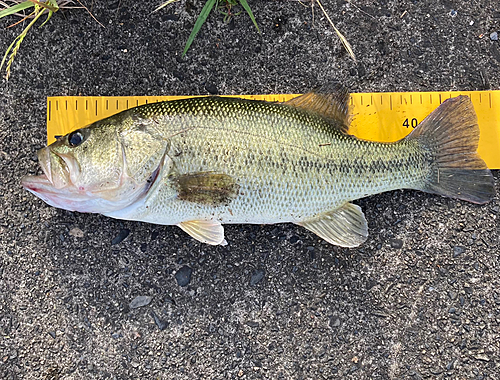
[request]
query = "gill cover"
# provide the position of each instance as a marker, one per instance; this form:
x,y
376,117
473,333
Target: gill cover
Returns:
x,y
104,167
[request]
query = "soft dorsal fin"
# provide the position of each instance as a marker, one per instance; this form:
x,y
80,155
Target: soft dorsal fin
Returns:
x,y
206,231
345,226
331,101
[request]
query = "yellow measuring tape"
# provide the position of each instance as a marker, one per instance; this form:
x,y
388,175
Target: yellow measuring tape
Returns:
x,y
387,116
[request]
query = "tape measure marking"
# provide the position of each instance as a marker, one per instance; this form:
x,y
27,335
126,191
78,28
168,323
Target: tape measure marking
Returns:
x,y
376,116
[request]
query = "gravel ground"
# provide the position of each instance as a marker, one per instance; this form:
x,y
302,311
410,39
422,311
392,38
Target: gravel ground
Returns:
x,y
88,297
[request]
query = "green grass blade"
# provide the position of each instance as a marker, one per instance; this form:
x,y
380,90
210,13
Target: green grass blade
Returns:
x,y
55,4
16,8
14,46
7,52
245,5
48,18
47,5
198,24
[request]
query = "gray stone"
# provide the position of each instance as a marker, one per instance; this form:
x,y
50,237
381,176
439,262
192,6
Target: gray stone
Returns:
x,y
162,325
257,277
183,276
140,301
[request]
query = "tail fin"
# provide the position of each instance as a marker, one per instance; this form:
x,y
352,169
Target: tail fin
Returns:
x,y
451,135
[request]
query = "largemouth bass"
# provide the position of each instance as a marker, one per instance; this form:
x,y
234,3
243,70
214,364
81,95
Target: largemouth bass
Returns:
x,y
201,162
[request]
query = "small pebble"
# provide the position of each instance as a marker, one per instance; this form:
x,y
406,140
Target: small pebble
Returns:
x,y
312,254
169,300
482,357
334,322
52,334
170,17
121,236
252,324
452,295
140,301
458,250
76,232
162,325
178,75
450,365
396,243
257,277
211,88
183,276
494,36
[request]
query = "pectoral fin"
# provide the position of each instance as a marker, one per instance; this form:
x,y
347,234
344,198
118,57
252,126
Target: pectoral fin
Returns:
x,y
208,188
206,231
345,226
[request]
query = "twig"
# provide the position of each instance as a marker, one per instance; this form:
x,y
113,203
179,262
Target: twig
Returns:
x,y
346,43
359,9
90,13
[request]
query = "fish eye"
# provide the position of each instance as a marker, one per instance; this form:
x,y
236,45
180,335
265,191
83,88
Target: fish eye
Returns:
x,y
75,138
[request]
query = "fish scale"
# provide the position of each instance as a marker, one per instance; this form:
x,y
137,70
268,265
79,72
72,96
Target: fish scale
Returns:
x,y
199,163
320,168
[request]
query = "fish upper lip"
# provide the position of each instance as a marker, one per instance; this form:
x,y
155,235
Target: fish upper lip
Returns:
x,y
67,167
44,162
44,181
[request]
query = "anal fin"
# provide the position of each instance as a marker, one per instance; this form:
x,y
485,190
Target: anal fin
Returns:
x,y
206,231
345,226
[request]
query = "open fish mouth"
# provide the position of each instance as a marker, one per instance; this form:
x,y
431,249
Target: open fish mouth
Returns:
x,y
65,198
55,190
55,187
45,182
42,187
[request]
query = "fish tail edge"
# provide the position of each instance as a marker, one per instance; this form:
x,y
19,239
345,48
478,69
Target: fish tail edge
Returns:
x,y
450,134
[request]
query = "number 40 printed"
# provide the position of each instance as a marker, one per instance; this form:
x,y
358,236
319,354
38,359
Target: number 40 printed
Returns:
x,y
410,123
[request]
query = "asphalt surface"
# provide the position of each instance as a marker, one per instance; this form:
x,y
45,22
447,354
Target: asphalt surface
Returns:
x,y
420,299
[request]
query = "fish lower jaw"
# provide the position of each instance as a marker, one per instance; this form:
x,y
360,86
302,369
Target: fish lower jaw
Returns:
x,y
63,198
36,183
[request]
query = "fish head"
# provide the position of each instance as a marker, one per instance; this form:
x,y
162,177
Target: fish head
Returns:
x,y
102,168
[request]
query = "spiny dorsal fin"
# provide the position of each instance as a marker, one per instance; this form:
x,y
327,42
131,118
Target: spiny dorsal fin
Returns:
x,y
345,226
206,231
331,101
208,188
